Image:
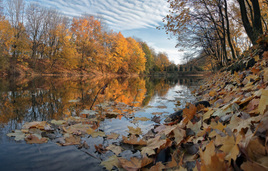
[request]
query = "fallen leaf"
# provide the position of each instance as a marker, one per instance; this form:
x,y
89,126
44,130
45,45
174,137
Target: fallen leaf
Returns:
x,y
96,134
134,163
71,140
18,134
115,149
188,114
135,131
179,135
113,136
100,149
111,162
147,151
141,119
263,102
32,139
58,122
159,166
133,140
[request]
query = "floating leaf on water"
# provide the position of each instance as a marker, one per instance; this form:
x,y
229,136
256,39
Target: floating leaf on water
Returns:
x,y
71,140
161,107
157,113
133,140
33,139
36,124
135,131
113,136
58,122
99,133
88,112
115,149
18,134
141,119
111,162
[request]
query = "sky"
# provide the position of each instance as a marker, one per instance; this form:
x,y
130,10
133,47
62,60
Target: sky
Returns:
x,y
133,18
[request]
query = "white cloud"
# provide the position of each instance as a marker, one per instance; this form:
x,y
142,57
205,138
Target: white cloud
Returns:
x,y
119,14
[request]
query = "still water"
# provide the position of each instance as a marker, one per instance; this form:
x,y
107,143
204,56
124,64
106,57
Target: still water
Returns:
x,y
44,99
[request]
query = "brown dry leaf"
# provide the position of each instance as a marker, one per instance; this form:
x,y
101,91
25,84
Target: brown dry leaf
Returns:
x,y
218,126
159,166
115,149
78,128
134,163
217,163
253,104
157,113
100,149
206,155
161,107
113,136
230,148
111,162
179,135
39,125
134,131
188,114
133,140
32,139
147,151
265,75
194,127
71,140
255,149
249,166
263,102
172,163
255,70
142,119
96,134
208,114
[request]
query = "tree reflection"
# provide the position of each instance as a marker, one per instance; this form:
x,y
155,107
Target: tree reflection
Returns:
x,y
55,98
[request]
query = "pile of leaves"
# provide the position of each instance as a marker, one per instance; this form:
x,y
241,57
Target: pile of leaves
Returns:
x,y
231,134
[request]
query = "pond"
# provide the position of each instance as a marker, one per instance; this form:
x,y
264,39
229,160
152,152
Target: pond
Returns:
x,y
111,106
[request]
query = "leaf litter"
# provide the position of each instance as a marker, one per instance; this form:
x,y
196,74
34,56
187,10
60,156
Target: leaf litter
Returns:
x,y
231,134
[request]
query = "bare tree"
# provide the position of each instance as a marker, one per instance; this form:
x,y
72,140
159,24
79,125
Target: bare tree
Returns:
x,y
15,11
36,26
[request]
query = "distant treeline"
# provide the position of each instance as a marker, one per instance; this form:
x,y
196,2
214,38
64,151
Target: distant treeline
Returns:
x,y
38,39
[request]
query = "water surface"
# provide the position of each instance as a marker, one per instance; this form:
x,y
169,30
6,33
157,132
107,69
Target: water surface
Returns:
x,y
44,99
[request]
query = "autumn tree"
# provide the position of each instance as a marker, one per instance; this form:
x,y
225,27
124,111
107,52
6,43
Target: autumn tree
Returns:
x,y
148,56
6,34
86,33
135,57
36,27
20,44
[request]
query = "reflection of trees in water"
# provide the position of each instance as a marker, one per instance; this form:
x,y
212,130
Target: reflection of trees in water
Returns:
x,y
49,98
